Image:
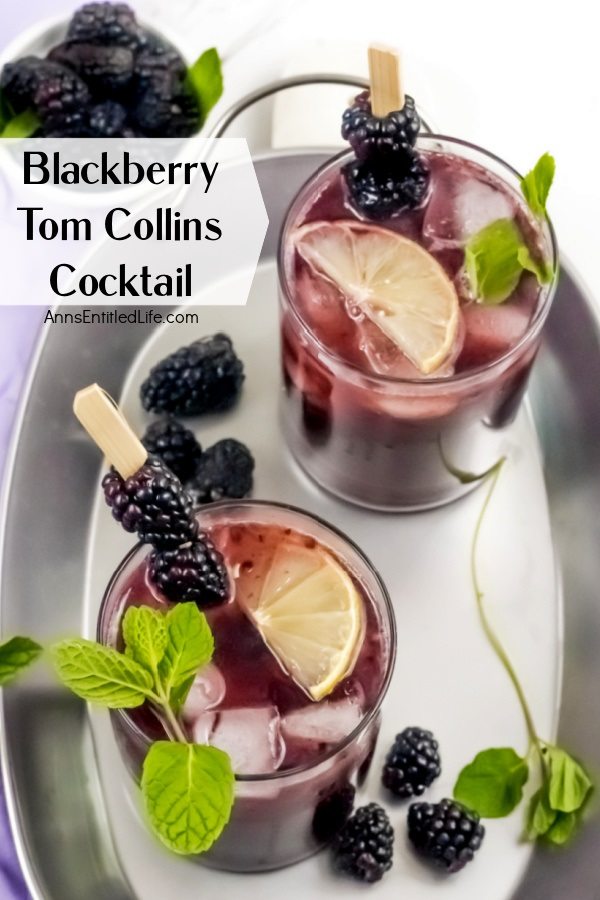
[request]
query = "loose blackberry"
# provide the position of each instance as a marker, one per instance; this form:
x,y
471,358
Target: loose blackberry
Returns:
x,y
380,190
107,119
175,445
445,833
224,470
365,845
153,503
61,102
110,24
370,135
412,764
205,377
107,70
165,110
195,573
332,812
20,80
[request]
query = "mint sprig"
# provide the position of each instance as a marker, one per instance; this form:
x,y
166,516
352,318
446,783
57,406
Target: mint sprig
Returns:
x,y
497,255
16,655
188,792
537,183
102,675
492,784
187,788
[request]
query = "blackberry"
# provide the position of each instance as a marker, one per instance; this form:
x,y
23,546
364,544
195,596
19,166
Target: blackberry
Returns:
x,y
61,102
175,445
332,812
159,63
224,470
166,111
107,119
205,377
382,190
20,80
153,503
106,70
412,764
445,833
370,135
110,24
195,573
364,846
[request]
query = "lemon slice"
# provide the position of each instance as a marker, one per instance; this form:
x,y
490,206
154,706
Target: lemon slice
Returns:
x,y
397,284
310,615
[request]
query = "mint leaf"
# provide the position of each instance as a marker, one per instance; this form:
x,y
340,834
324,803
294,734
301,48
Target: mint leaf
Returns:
x,y
188,793
541,270
569,784
145,636
205,78
540,815
492,784
190,646
562,829
21,126
492,261
15,655
100,674
537,183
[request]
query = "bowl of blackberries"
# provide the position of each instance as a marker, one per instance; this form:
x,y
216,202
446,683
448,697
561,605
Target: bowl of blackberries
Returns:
x,y
105,74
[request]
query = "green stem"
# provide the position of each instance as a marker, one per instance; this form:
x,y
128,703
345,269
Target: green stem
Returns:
x,y
494,474
174,724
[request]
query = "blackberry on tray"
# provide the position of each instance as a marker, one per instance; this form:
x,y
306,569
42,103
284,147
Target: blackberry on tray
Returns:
x,y
175,444
445,833
364,846
206,376
412,763
224,471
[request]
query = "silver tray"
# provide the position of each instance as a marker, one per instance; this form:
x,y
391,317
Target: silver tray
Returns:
x,y
50,770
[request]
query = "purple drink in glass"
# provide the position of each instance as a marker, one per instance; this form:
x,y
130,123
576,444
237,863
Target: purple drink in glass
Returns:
x,y
358,415
297,761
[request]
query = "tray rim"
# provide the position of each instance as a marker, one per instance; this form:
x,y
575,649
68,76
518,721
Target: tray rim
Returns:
x,y
11,795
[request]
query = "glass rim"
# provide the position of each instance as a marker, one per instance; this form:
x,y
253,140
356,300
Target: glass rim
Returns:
x,y
462,378
366,719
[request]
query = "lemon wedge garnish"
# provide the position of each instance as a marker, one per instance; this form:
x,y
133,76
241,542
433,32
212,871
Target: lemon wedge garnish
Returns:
x,y
399,285
311,616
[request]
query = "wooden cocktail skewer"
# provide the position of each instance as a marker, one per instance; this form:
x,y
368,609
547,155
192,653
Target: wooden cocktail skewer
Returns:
x,y
385,79
108,428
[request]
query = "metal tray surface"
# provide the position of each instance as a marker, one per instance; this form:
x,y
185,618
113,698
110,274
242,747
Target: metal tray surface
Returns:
x,y
57,805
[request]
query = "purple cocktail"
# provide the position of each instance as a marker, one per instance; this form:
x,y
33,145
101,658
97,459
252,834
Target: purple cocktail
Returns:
x,y
359,415
298,757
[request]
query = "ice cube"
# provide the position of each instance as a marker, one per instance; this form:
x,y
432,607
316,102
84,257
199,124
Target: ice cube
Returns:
x,y
202,727
491,331
383,355
461,204
327,722
251,737
206,692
